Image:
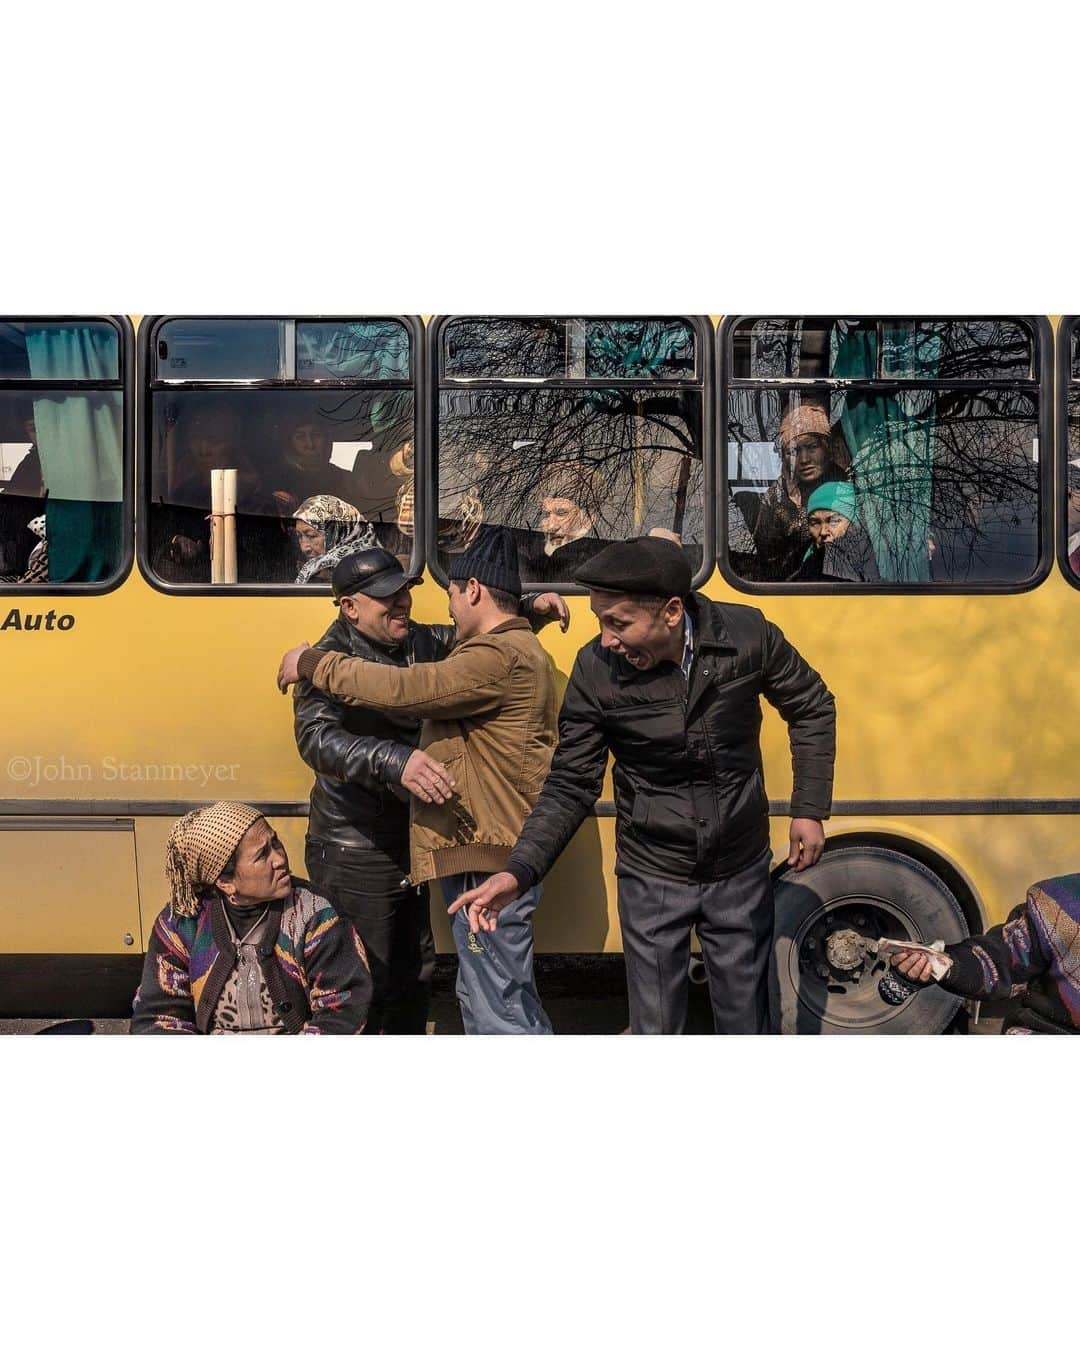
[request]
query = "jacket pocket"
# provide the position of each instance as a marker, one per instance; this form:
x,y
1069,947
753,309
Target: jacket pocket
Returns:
x,y
439,823
750,804
666,819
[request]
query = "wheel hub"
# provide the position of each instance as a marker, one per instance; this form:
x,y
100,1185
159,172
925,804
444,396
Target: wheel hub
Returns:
x,y
845,949
837,973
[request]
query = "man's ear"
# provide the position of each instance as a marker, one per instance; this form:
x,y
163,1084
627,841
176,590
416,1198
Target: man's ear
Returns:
x,y
673,611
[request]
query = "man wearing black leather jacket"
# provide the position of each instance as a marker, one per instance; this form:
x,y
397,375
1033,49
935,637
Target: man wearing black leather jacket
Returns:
x,y
366,765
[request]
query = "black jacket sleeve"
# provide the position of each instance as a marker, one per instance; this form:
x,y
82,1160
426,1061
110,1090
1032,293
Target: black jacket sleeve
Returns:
x,y
799,695
990,965
326,745
572,786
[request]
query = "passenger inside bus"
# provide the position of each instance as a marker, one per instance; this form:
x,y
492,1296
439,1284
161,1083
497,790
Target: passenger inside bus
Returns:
x,y
840,549
567,537
358,471
37,567
198,439
22,492
811,453
326,530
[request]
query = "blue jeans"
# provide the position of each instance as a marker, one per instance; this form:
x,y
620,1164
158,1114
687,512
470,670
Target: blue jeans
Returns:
x,y
495,985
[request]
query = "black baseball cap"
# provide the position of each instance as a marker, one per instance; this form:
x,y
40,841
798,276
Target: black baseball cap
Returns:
x,y
369,571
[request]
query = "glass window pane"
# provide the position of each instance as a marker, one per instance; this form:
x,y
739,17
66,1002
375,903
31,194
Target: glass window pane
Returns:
x,y
913,487
804,349
222,349
346,350
956,349
508,349
568,349
351,450
1072,486
867,349
61,487
1076,352
569,472
59,350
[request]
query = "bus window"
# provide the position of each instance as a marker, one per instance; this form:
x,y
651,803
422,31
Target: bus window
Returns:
x,y
62,456
571,433
317,418
883,452
1072,449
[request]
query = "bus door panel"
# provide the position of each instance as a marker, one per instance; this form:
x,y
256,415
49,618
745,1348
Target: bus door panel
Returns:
x,y
68,887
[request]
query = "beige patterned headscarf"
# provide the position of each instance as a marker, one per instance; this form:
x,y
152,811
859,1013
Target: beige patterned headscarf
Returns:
x,y
199,846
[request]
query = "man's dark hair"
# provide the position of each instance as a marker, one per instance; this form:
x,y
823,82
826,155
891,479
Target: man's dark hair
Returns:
x,y
504,601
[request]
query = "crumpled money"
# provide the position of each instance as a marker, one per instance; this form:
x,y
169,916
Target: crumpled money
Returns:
x,y
939,963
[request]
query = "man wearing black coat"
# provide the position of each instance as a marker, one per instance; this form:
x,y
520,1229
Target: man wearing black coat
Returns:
x,y
366,765
671,688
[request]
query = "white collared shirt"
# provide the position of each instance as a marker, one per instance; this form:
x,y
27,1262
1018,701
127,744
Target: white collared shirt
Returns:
x,y
688,646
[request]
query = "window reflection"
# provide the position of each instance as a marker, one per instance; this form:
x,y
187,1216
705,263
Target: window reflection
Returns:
x,y
868,349
608,454
1072,487
568,349
570,473
315,470
937,485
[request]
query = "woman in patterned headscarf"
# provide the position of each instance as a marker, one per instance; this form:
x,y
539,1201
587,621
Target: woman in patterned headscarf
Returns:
x,y
37,567
328,528
243,946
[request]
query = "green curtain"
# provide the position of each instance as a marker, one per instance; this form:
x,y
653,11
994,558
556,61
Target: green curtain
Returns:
x,y
80,440
891,440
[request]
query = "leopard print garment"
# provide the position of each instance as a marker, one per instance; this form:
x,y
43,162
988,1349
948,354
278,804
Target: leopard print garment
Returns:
x,y
245,1006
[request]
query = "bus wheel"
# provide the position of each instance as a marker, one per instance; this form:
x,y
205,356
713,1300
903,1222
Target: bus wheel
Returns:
x,y
823,980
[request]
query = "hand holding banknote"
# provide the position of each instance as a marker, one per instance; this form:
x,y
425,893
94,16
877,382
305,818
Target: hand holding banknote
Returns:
x,y
915,961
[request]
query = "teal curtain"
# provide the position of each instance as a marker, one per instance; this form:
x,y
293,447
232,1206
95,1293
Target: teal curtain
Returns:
x,y
628,348
891,441
80,440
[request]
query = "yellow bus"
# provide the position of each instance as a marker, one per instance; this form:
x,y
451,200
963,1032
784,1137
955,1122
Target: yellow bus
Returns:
x,y
138,687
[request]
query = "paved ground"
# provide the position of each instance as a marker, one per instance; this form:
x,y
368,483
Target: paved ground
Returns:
x,y
583,995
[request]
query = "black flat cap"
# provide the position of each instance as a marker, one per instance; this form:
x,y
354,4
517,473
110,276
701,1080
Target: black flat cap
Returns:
x,y
369,571
492,559
638,567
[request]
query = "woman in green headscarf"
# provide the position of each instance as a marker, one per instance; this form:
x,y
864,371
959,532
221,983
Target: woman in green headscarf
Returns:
x,y
840,548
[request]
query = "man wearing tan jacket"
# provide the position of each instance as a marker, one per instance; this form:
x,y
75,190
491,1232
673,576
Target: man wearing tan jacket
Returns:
x,y
489,715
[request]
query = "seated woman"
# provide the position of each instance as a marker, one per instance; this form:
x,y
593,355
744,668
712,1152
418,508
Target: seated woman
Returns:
x,y
840,549
1032,959
326,529
242,946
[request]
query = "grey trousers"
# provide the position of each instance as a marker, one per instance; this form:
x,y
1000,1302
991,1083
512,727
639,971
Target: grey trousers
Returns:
x,y
495,986
734,922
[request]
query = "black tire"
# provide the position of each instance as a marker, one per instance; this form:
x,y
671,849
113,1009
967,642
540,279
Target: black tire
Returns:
x,y
888,895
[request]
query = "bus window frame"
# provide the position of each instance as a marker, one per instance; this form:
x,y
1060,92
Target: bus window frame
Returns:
x,y
1067,328
125,386
1041,384
704,381
149,328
